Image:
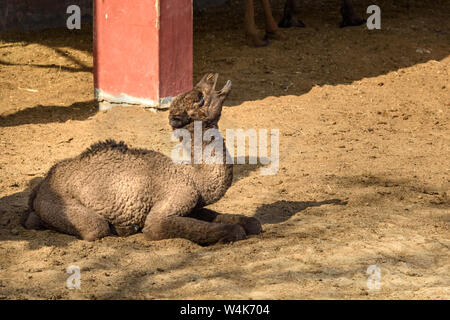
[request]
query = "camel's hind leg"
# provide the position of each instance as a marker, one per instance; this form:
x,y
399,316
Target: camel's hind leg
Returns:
x,y
70,216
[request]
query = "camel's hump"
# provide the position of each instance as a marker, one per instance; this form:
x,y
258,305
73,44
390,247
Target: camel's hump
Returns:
x,y
111,145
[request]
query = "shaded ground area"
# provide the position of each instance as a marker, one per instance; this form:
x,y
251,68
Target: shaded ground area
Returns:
x,y
364,170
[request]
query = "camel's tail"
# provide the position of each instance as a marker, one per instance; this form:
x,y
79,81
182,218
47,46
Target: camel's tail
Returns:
x,y
29,218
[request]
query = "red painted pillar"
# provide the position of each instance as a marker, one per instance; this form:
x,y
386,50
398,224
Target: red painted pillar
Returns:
x,y
142,51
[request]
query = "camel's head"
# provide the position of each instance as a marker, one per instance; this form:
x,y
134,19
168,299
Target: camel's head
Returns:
x,y
203,103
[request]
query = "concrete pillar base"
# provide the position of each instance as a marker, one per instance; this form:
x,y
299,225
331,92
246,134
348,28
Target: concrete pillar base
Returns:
x,y
107,101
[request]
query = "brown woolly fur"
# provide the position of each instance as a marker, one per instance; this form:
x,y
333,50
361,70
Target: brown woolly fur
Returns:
x,y
111,189
111,145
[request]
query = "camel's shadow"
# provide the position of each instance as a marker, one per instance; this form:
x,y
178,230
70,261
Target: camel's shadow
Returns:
x,y
281,210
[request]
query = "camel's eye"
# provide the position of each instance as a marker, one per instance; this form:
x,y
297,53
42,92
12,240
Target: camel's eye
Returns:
x,y
199,101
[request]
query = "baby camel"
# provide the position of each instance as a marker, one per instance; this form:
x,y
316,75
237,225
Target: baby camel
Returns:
x,y
111,189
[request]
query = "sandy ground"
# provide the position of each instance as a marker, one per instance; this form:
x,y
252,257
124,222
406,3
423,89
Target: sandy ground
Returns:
x,y
364,162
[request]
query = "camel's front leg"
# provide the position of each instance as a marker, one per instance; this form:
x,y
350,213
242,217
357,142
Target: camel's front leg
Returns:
x,y
251,30
251,225
272,31
349,17
167,220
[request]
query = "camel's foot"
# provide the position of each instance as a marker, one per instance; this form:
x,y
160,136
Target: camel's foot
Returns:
x,y
275,35
252,226
254,40
233,233
288,22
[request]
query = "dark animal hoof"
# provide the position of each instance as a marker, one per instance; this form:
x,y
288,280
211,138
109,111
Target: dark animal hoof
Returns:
x,y
252,226
291,22
298,24
352,22
234,232
255,41
259,43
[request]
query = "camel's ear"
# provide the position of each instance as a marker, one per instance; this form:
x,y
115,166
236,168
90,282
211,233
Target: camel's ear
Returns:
x,y
208,83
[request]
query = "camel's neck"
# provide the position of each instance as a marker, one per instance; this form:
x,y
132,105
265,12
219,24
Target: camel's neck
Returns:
x,y
213,176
